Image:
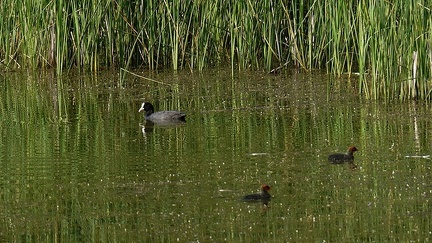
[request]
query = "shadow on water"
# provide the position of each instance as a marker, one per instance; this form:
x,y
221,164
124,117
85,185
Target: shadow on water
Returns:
x,y
75,165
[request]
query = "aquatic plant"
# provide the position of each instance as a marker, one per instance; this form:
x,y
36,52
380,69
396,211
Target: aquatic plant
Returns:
x,y
387,43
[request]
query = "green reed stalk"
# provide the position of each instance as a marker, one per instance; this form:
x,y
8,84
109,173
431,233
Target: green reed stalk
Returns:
x,y
61,36
268,33
386,43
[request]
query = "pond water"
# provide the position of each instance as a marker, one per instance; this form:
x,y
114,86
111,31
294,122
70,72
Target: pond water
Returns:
x,y
78,163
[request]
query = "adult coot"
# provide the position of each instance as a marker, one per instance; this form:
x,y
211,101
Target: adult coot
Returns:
x,y
342,158
161,117
262,196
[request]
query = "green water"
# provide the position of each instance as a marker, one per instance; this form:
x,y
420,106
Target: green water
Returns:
x,y
76,164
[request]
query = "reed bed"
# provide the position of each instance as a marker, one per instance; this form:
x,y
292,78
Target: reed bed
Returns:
x,y
387,43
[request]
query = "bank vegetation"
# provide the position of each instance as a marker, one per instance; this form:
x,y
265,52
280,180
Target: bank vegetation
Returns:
x,y
386,43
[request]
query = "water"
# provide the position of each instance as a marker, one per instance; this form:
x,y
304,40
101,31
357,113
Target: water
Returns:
x,y
78,165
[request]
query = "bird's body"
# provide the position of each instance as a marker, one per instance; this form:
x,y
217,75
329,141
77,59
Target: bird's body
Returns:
x,y
262,196
343,158
161,117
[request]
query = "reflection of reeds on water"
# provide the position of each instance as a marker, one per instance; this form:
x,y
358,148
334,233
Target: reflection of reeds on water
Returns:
x,y
91,173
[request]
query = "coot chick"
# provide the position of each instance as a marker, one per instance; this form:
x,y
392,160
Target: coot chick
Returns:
x,y
262,196
342,158
161,117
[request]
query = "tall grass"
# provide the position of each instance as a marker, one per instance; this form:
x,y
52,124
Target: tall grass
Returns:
x,y
386,42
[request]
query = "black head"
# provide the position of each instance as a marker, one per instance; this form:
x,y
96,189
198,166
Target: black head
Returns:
x,y
147,107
